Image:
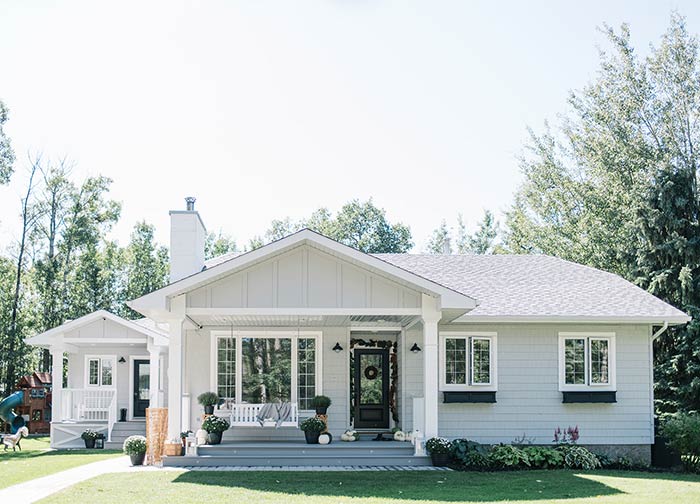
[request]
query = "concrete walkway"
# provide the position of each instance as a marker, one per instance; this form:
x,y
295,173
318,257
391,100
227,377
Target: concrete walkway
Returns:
x,y
37,489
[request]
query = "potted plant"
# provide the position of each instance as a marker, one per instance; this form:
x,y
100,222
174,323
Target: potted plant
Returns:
x,y
312,428
135,447
321,403
89,437
215,427
208,400
439,450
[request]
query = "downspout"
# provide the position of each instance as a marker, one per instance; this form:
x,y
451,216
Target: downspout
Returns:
x,y
651,375
660,331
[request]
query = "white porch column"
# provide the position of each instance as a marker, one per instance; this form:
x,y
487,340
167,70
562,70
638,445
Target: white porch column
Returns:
x,y
175,372
154,367
56,383
431,316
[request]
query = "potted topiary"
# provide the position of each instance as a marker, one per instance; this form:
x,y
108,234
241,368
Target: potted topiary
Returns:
x,y
215,427
89,437
312,428
439,449
321,403
135,447
208,400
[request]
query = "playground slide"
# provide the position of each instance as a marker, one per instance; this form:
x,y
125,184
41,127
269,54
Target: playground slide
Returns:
x,y
9,416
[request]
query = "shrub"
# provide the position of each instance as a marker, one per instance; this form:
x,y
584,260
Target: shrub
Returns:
x,y
135,445
682,432
578,457
91,434
312,424
543,457
321,401
477,461
508,456
438,445
208,399
463,448
620,462
215,424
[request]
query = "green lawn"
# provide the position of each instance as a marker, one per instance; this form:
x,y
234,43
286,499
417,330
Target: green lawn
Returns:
x,y
36,460
602,487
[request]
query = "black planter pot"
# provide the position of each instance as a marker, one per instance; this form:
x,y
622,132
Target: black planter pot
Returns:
x,y
311,437
89,443
214,438
137,459
208,410
321,410
440,459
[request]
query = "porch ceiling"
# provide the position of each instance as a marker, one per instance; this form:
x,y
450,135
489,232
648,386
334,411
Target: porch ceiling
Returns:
x,y
304,321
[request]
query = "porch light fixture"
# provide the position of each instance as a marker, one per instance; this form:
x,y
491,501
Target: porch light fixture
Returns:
x,y
337,348
122,360
415,348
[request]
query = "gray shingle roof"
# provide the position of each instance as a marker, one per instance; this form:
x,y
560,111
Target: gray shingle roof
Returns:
x,y
532,286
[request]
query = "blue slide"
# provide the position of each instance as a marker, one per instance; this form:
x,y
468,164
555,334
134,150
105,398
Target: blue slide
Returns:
x,y
7,405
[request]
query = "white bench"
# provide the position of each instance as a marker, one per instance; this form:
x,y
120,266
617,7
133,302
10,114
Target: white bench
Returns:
x,y
246,415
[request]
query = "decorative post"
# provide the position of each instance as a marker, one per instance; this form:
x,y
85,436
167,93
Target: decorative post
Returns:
x,y
57,384
431,316
175,371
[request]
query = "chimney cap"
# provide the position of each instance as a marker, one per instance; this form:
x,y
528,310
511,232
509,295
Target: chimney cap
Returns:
x,y
190,203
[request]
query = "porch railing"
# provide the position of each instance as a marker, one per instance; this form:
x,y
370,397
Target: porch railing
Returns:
x,y
89,405
246,415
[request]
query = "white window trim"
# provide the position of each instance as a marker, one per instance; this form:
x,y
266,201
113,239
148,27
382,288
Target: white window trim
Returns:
x,y
611,386
492,386
86,373
239,335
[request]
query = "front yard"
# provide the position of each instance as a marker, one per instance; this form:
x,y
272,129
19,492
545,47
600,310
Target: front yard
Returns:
x,y
37,460
523,487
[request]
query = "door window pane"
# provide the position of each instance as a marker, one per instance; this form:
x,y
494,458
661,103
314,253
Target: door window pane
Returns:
x,y
481,351
267,370
226,368
306,374
144,381
371,379
599,361
575,361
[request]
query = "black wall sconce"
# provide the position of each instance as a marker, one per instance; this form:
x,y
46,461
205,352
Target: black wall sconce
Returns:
x,y
337,348
415,348
122,360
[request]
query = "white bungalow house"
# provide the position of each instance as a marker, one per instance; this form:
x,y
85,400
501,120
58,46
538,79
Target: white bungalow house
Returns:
x,y
488,348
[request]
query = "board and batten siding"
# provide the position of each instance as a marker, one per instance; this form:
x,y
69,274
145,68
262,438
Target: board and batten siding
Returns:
x,y
304,277
529,401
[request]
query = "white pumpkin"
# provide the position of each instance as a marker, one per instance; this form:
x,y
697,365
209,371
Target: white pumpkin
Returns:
x,y
399,436
324,438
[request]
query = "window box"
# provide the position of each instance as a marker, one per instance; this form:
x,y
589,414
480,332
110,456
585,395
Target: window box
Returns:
x,y
469,397
589,397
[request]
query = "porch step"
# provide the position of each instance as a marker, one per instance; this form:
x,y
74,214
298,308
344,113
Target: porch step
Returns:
x,y
298,453
296,461
123,430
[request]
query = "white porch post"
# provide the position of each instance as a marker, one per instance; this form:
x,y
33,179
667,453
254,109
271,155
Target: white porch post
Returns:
x,y
175,372
431,315
56,383
154,367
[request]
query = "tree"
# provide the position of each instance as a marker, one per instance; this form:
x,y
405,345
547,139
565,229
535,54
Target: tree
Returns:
x,y
146,266
439,242
218,244
615,187
7,155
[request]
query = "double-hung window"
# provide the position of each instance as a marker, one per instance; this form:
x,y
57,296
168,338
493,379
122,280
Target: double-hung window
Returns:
x,y
586,361
468,361
99,371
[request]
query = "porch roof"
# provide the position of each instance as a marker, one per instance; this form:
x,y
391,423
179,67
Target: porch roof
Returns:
x,y
258,318
69,335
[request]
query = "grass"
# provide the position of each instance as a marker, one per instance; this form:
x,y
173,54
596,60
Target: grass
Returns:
x,y
523,487
37,460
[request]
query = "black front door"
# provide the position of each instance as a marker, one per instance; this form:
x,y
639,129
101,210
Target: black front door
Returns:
x,y
142,389
371,388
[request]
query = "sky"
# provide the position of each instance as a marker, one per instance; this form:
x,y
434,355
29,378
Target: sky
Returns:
x,y
267,109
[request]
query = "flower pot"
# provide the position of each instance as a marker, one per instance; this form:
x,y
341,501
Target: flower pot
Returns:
x,y
214,438
440,459
209,410
321,410
137,459
89,443
311,437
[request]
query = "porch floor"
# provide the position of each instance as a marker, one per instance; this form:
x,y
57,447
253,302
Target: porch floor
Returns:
x,y
299,454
